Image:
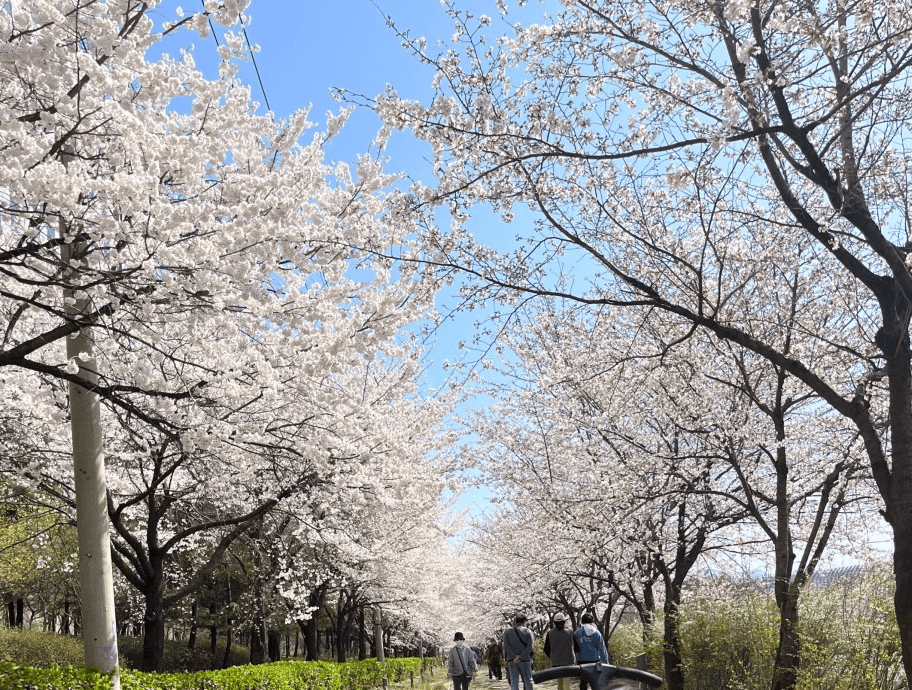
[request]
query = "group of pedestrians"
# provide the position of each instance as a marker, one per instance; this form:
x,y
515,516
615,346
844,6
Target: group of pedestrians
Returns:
x,y
562,646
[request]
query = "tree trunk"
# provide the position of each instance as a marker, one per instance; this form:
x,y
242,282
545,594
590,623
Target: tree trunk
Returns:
x,y
213,628
362,636
257,642
154,623
229,635
902,598
788,653
341,637
191,641
311,636
671,643
378,634
899,499
96,576
273,648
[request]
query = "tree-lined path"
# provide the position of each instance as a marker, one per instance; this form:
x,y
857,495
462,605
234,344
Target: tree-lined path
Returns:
x,y
674,240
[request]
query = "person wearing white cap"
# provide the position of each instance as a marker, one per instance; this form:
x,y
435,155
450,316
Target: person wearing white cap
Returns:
x,y
560,646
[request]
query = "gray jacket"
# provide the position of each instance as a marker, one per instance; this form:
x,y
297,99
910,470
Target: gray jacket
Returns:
x,y
517,643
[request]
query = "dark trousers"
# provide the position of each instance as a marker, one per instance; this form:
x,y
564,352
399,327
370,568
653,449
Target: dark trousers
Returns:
x,y
494,670
461,682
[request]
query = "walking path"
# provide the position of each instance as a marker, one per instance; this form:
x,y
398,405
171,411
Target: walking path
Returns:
x,y
485,683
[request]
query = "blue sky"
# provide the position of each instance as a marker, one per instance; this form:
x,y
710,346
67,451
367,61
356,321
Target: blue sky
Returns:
x,y
309,47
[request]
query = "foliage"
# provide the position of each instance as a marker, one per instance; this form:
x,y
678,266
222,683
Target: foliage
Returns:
x,y
730,642
16,677
285,675
40,649
851,641
177,658
629,641
848,632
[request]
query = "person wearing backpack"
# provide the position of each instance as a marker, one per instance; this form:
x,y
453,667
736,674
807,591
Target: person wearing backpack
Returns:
x,y
591,646
517,649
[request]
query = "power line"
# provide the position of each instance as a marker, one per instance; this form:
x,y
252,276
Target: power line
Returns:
x,y
253,60
249,49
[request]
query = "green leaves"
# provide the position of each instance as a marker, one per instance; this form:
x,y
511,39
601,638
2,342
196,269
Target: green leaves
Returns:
x,y
285,675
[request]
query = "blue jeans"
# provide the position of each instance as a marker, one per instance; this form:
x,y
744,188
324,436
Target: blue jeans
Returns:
x,y
521,670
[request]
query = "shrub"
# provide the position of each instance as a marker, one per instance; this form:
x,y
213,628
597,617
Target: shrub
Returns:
x,y
730,643
177,658
53,677
40,649
849,636
283,675
627,642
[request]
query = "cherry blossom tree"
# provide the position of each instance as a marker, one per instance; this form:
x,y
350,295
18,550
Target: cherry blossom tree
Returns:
x,y
189,252
642,457
665,149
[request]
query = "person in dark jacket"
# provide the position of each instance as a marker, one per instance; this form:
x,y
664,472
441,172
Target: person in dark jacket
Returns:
x,y
493,655
559,646
591,646
517,649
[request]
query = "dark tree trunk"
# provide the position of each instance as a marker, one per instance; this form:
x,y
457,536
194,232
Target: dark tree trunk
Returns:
x,y
229,633
788,653
257,642
273,648
309,628
65,619
191,640
671,645
894,478
342,615
20,610
11,612
213,627
154,623
362,636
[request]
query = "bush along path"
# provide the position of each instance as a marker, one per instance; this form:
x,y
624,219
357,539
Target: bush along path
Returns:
x,y
283,675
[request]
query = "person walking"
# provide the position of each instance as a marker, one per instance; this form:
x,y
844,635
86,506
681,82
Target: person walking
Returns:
x,y
461,663
591,646
517,650
493,654
559,646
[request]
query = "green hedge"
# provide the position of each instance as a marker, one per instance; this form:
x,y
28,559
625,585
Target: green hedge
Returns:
x,y
284,675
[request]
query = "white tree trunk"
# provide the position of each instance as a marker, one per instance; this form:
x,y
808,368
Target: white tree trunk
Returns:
x,y
96,580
